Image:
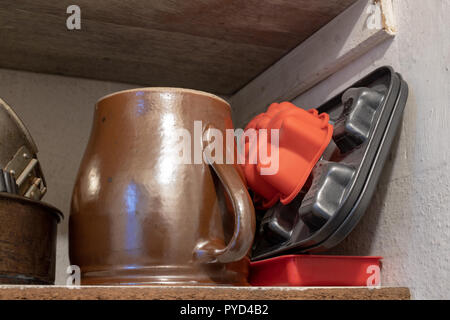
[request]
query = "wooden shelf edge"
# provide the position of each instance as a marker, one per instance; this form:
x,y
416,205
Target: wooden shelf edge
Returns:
x,y
201,293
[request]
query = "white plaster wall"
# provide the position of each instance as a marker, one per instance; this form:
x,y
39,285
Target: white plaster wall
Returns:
x,y
58,112
409,219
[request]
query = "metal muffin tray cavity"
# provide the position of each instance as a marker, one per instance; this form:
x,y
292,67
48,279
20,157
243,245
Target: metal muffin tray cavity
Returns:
x,y
366,118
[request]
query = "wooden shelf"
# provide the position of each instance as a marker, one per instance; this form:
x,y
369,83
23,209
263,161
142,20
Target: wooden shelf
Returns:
x,y
200,293
217,46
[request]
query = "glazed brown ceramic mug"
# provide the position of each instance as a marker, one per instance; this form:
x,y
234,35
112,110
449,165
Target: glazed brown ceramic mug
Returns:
x,y
139,215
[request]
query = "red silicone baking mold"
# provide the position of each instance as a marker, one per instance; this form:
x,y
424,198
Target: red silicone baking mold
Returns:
x,y
316,271
303,137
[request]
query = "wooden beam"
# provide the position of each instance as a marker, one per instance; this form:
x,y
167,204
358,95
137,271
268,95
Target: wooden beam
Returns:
x,y
351,34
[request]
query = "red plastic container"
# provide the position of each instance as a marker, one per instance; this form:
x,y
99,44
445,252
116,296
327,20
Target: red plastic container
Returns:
x,y
316,271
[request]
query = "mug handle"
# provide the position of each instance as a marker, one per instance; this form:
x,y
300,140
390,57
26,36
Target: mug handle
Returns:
x,y
244,218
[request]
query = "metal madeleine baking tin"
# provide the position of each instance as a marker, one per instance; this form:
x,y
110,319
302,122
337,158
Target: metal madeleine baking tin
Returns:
x,y
366,118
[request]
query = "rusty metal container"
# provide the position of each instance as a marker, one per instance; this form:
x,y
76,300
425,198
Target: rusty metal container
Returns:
x,y
27,240
140,217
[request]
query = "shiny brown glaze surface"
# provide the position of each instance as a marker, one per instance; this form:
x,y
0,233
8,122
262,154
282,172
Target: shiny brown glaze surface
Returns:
x,y
140,217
